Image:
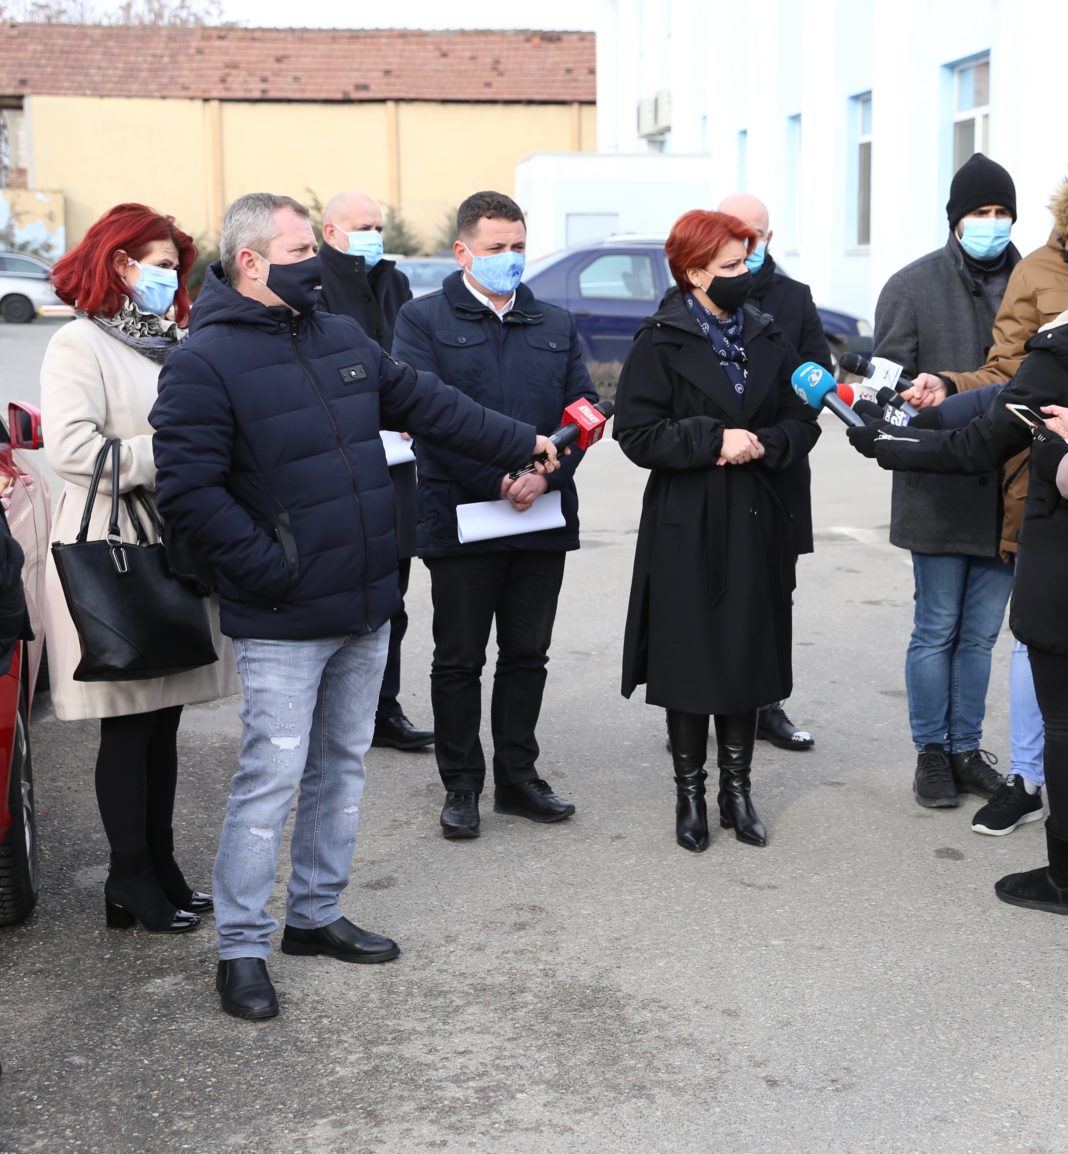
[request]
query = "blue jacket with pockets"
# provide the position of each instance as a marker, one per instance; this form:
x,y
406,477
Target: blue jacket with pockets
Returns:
x,y
271,469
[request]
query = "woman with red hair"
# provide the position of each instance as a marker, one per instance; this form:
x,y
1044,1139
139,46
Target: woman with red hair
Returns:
x,y
704,402
127,281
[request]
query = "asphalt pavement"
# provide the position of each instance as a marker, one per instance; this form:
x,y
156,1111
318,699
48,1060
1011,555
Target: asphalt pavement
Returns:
x,y
853,988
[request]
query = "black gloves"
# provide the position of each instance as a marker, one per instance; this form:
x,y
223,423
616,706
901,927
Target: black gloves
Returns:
x,y
863,439
1046,453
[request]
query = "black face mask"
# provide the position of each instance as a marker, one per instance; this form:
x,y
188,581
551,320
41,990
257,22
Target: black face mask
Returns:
x,y
730,292
299,285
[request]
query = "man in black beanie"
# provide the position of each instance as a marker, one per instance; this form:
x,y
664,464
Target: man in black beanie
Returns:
x,y
939,311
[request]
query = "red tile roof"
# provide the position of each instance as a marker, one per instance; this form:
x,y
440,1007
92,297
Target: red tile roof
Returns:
x,y
230,63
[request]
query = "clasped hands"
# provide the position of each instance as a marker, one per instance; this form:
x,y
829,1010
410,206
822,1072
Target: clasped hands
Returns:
x,y
525,490
739,447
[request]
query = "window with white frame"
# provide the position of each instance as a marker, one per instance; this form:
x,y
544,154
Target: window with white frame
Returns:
x,y
862,129
971,108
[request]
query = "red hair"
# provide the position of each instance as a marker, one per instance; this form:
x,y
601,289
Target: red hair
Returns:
x,y
697,236
86,276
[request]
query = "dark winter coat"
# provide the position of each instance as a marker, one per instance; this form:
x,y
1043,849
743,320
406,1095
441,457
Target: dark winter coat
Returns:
x,y
270,464
791,305
373,300
931,315
527,365
1036,616
709,621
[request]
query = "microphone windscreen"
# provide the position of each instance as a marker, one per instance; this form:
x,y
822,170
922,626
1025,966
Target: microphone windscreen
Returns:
x,y
812,383
845,391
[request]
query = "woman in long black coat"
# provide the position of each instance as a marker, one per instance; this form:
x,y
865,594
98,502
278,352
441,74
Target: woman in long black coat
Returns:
x,y
705,403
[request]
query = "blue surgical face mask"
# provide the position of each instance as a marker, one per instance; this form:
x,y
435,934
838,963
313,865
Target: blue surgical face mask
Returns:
x,y
155,288
366,243
755,260
500,273
985,237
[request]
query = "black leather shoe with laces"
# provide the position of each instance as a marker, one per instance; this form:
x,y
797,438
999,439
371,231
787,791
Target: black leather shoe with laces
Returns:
x,y
459,815
533,800
974,772
933,784
397,732
773,725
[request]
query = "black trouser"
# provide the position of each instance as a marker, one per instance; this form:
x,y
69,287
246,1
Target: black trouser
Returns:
x,y
136,776
388,705
1050,672
519,589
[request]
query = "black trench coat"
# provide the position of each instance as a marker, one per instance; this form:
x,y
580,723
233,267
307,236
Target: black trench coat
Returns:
x,y
709,621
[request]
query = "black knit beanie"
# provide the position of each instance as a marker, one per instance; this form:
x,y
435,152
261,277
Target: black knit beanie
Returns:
x,y
979,181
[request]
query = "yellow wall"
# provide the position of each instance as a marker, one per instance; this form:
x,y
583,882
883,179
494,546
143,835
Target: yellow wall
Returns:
x,y
191,157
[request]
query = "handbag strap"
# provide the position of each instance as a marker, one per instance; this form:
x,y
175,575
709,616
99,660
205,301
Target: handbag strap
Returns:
x,y
94,485
114,537
135,520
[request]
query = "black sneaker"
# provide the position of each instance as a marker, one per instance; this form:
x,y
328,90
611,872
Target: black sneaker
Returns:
x,y
933,785
1011,806
974,772
773,725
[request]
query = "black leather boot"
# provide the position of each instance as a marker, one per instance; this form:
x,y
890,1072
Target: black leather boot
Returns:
x,y
688,735
735,737
133,894
171,879
1045,888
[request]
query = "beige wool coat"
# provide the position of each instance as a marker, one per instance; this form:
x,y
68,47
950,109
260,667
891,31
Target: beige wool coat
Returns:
x,y
94,387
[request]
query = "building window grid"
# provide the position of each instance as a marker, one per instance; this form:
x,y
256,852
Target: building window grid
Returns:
x,y
971,109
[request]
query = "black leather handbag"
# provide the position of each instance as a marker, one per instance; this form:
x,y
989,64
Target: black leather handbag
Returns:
x,y
134,619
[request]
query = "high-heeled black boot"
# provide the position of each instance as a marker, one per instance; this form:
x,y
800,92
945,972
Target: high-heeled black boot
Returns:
x,y
688,734
735,736
132,893
171,879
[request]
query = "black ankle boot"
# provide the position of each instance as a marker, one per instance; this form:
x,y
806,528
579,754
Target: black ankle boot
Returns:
x,y
132,893
688,737
1045,888
735,736
171,879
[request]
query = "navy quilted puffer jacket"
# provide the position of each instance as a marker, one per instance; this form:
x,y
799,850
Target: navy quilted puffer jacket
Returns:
x,y
270,465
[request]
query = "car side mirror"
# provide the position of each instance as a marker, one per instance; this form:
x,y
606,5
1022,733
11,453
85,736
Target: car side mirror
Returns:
x,y
24,424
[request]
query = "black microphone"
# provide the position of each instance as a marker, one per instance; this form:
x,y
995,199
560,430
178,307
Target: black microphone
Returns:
x,y
855,363
886,396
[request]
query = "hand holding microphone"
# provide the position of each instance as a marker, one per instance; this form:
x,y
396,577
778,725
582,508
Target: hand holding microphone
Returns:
x,y
582,425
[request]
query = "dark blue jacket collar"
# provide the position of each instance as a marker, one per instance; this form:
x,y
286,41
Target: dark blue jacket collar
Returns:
x,y
525,311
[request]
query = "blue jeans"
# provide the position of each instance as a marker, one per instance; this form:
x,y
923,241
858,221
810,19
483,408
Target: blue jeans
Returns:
x,y
960,605
1025,718
308,715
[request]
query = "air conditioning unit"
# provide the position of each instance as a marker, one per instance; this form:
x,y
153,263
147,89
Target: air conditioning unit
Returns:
x,y
663,110
647,117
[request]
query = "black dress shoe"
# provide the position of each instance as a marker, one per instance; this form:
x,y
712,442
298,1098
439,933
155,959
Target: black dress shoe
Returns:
x,y
245,989
397,732
459,815
341,940
532,799
773,725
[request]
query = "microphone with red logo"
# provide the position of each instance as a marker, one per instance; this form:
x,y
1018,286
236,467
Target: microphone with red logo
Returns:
x,y
582,425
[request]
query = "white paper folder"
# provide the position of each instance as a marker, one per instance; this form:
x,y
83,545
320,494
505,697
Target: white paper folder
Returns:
x,y
483,520
398,449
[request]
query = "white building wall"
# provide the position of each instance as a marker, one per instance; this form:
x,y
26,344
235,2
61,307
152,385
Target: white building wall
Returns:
x,y
753,66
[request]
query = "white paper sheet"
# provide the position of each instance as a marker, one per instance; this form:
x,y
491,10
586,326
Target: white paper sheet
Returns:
x,y
483,520
398,450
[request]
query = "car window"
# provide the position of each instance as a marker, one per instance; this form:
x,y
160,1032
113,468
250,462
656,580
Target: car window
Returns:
x,y
619,276
20,266
427,274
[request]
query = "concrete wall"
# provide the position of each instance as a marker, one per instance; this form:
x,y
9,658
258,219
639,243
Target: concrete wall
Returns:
x,y
190,158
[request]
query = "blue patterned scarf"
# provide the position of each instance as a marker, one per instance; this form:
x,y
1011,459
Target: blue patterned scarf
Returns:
x,y
726,338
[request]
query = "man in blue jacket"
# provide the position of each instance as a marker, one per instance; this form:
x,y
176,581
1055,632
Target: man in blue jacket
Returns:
x,y
270,466
484,333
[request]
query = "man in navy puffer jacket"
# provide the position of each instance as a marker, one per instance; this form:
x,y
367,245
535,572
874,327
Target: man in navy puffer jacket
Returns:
x,y
485,333
271,468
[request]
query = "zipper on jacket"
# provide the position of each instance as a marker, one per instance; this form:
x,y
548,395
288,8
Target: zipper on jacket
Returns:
x,y
348,463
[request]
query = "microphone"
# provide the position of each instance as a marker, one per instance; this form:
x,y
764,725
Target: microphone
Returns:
x,y
816,387
897,411
582,425
845,391
878,370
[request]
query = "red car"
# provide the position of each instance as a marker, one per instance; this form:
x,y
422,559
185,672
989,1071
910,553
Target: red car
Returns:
x,y
29,513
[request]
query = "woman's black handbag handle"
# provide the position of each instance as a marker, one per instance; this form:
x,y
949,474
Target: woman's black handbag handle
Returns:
x,y
94,484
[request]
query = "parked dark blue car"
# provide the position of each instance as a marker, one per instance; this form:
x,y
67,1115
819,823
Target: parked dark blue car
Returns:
x,y
611,286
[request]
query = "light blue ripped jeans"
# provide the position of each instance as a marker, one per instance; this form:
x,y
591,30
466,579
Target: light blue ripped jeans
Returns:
x,y
308,715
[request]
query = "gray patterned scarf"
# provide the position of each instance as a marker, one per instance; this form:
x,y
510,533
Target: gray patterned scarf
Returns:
x,y
151,335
